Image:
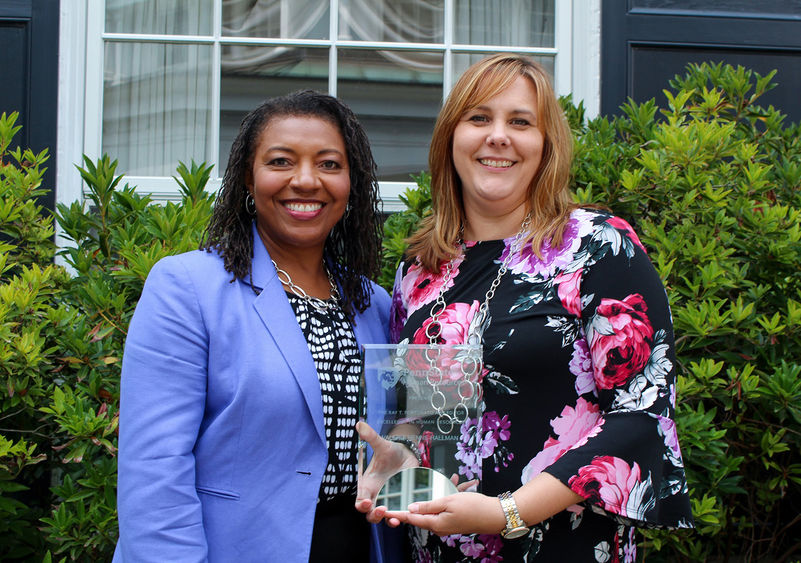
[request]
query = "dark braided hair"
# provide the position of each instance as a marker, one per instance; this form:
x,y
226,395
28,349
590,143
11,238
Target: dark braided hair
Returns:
x,y
352,248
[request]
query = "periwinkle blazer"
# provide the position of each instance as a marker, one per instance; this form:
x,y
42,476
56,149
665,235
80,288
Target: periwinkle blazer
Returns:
x,y
222,444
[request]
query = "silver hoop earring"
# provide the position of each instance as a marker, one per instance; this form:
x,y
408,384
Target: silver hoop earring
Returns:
x,y
250,205
347,212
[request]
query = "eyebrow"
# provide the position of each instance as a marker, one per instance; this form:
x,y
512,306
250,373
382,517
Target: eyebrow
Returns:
x,y
319,153
487,108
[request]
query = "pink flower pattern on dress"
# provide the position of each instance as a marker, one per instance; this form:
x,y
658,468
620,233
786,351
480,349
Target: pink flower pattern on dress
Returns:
x,y
424,448
397,316
568,288
553,259
668,427
581,366
472,449
622,225
420,287
630,548
482,547
573,427
620,341
454,321
607,482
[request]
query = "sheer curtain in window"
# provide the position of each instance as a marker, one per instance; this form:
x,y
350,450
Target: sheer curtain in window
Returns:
x,y
157,95
282,19
509,23
525,23
398,21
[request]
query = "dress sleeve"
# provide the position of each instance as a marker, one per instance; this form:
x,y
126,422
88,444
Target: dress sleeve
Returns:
x,y
163,392
628,465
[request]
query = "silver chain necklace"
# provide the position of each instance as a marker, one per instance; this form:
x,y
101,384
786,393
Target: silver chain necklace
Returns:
x,y
319,305
439,306
469,388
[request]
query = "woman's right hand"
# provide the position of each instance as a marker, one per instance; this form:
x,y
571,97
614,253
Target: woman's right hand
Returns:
x,y
388,458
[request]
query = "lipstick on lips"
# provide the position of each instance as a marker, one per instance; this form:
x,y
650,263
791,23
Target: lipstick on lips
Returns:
x,y
300,209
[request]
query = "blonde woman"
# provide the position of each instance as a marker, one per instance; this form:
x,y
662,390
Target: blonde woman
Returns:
x,y
577,446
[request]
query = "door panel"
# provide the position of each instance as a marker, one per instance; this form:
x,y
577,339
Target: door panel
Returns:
x,y
29,63
653,66
645,43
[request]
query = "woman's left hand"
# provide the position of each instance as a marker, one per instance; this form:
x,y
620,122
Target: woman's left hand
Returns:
x,y
389,458
461,513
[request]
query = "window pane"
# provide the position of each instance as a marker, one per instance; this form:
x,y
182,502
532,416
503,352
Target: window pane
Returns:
x,y
285,19
165,17
251,74
410,21
523,23
156,105
462,61
396,96
394,484
423,481
394,503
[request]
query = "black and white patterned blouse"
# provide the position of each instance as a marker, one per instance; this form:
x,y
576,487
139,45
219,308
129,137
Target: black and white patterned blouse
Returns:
x,y
333,346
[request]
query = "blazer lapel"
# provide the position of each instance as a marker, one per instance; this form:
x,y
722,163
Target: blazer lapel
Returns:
x,y
279,319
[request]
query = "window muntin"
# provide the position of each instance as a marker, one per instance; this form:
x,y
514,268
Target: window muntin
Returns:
x,y
394,77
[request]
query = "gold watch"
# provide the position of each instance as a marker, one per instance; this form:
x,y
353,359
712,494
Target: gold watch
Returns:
x,y
515,527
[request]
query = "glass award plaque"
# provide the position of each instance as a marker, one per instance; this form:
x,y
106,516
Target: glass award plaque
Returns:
x,y
424,402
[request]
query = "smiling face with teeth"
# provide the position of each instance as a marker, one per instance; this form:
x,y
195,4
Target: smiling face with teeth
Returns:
x,y
497,151
300,182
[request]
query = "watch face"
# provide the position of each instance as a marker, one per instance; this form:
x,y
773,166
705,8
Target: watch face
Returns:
x,y
516,533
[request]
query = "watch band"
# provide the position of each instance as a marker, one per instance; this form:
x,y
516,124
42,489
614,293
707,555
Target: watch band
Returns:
x,y
515,526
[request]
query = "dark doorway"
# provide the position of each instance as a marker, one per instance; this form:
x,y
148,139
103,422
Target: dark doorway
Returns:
x,y
29,59
645,43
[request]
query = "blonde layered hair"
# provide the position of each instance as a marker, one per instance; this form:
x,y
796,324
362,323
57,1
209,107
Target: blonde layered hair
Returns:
x,y
549,199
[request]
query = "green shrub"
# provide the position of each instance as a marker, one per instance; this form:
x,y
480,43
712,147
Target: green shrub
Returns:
x,y
712,183
62,344
116,240
399,226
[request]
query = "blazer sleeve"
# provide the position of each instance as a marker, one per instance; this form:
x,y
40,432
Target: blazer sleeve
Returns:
x,y
163,392
382,301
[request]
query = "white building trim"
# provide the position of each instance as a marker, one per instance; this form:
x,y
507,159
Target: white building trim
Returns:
x,y
71,87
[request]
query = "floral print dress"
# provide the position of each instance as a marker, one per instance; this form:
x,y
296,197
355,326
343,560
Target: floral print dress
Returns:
x,y
579,381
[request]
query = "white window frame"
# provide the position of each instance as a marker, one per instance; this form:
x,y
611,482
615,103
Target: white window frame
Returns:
x,y
81,46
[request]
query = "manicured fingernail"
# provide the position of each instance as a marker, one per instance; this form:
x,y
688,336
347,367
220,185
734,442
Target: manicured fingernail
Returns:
x,y
413,507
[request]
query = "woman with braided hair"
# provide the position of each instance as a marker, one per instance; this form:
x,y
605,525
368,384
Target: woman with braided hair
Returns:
x,y
241,367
